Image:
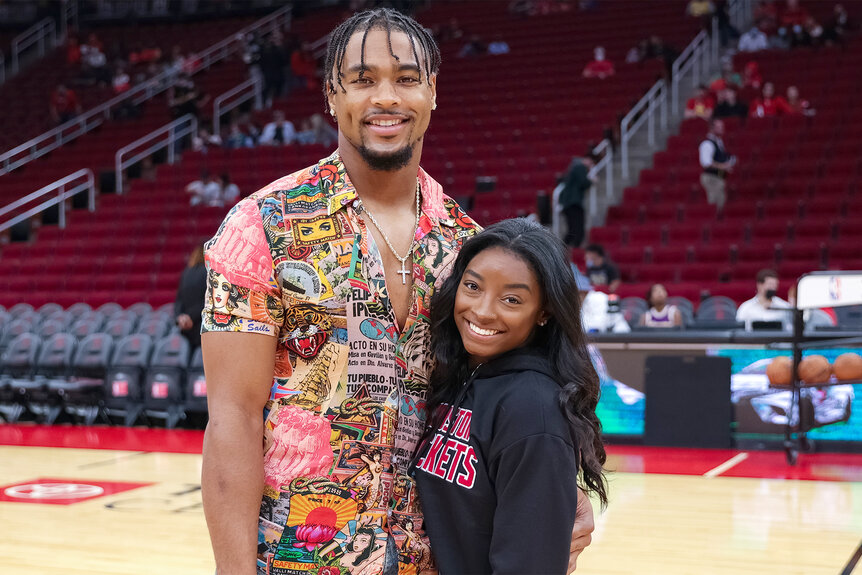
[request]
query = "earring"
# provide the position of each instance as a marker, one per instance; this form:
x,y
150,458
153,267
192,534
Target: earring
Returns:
x,y
332,112
434,106
543,322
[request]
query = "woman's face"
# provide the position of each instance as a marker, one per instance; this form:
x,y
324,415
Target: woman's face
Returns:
x,y
659,295
498,304
221,290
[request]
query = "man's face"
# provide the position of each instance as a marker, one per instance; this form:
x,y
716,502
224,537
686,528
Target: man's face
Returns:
x,y
768,90
769,284
592,259
718,128
384,112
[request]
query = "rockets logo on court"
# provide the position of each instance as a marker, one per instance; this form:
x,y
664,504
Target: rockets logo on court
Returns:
x,y
450,456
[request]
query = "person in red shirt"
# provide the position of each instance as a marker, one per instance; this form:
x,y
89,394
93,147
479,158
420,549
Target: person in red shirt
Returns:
x,y
797,106
600,67
64,105
73,51
701,105
794,15
304,65
769,105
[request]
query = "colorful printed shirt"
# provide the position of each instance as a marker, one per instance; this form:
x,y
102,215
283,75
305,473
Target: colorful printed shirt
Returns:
x,y
346,407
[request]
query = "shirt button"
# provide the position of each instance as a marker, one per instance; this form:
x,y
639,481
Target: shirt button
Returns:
x,y
355,204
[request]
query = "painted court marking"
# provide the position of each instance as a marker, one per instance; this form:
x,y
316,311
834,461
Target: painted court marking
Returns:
x,y
730,463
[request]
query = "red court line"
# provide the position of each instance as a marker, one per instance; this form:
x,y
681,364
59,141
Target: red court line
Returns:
x,y
118,438
621,458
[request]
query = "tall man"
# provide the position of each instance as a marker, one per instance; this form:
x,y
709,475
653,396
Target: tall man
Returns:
x,y
316,330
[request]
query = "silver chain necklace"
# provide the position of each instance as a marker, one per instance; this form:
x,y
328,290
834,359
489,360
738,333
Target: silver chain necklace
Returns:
x,y
403,271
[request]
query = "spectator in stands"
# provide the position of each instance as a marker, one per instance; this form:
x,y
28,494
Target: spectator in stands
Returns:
x,y
272,68
600,270
498,47
64,105
203,140
145,54
726,31
189,303
751,76
121,81
229,191
797,106
251,55
837,26
95,64
729,106
600,67
316,130
279,132
177,61
727,78
716,164
303,64
753,41
701,105
73,51
766,16
793,24
236,138
576,184
473,48
660,314
766,305
768,105
205,191
596,315
185,98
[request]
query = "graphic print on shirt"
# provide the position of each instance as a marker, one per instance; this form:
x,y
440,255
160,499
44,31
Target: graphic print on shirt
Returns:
x,y
346,404
450,455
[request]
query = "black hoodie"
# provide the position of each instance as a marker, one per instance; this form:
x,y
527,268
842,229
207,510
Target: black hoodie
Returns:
x,y
498,480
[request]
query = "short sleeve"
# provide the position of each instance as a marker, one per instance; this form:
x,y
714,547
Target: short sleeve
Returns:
x,y
242,293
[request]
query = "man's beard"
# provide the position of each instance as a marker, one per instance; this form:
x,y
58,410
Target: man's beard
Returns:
x,y
387,162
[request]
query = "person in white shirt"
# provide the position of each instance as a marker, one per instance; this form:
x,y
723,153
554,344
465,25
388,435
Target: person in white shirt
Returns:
x,y
229,191
205,191
753,41
594,308
279,132
766,305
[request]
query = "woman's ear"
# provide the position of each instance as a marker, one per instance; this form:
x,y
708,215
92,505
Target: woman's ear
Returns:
x,y
544,316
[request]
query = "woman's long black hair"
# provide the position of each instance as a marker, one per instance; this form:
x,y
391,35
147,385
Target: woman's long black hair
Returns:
x,y
562,336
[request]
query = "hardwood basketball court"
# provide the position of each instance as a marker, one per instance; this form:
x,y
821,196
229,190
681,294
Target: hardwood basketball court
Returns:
x,y
99,501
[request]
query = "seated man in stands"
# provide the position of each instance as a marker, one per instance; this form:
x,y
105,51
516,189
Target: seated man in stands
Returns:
x,y
766,305
205,191
600,67
64,105
701,105
600,270
753,41
229,191
729,107
278,132
236,138
660,314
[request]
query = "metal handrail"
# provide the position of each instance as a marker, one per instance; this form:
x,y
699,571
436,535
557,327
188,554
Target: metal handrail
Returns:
x,y
250,89
92,118
62,195
33,35
606,164
173,132
643,111
2,67
690,59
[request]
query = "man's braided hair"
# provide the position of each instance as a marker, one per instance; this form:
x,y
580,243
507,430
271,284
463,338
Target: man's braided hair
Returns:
x,y
382,19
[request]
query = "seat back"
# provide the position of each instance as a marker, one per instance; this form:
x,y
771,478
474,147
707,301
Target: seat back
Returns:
x,y
19,358
123,379
171,351
154,326
93,355
14,329
133,351
717,308
110,308
55,355
51,327
75,310
141,308
196,384
86,325
49,309
20,308
119,327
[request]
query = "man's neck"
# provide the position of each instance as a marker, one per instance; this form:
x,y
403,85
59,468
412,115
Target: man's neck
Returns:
x,y
390,189
766,303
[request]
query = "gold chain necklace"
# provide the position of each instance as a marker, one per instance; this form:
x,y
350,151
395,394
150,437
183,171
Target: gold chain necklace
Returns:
x,y
403,271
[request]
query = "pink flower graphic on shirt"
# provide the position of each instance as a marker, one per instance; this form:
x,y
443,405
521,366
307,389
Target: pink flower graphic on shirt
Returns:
x,y
298,446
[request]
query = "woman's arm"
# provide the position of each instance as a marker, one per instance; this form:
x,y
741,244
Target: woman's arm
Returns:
x,y
537,498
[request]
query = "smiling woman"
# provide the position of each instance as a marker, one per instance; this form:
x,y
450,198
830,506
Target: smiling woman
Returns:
x,y
512,427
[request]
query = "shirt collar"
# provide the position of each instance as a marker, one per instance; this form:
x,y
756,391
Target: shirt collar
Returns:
x,y
342,193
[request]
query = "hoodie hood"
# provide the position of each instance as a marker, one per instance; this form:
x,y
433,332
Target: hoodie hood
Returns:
x,y
516,361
